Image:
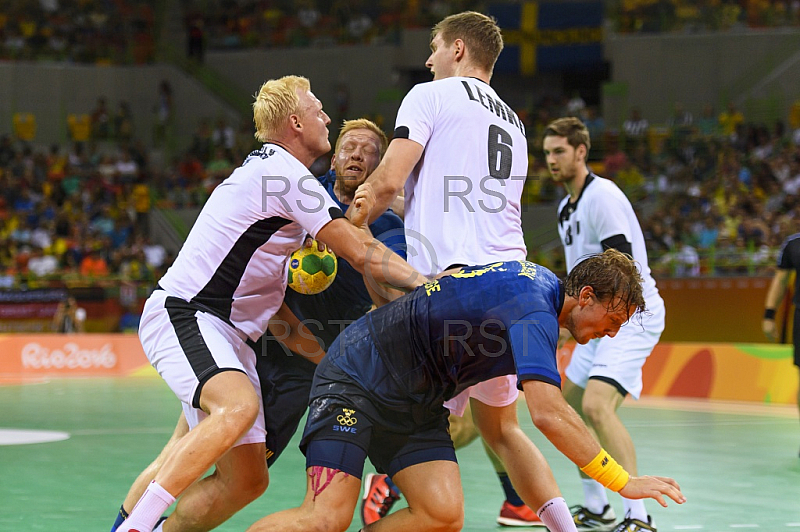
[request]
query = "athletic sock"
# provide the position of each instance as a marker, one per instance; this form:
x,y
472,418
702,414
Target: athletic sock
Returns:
x,y
122,515
392,486
511,494
636,509
594,494
556,516
149,509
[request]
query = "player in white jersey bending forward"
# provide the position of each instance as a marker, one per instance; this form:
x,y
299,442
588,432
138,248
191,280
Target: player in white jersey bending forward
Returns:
x,y
593,217
461,154
228,280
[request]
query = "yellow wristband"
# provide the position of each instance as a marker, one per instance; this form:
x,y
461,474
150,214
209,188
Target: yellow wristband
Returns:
x,y
607,471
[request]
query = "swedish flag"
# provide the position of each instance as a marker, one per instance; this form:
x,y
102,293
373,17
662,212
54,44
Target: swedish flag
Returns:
x,y
549,36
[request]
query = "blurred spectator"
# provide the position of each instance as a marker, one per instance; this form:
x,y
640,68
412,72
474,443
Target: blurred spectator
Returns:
x,y
163,110
155,255
130,319
101,121
615,159
126,168
223,135
94,264
576,105
596,126
217,169
202,142
707,124
635,128
685,261
680,122
196,40
729,120
69,317
42,265
708,234
123,122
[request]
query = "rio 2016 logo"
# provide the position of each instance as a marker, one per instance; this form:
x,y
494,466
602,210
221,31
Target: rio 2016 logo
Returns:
x,y
70,356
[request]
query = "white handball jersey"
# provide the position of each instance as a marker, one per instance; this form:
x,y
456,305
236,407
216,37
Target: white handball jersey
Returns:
x,y
602,211
462,201
233,263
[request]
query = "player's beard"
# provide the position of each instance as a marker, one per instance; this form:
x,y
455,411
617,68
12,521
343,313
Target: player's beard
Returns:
x,y
348,185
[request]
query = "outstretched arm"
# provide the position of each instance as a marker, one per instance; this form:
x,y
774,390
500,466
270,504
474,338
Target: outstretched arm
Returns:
x,y
294,334
567,432
389,177
368,256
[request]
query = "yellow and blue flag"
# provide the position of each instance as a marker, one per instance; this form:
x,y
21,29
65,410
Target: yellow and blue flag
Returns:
x,y
549,36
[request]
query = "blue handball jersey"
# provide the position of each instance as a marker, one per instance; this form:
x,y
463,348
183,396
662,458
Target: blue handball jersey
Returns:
x,y
483,322
326,314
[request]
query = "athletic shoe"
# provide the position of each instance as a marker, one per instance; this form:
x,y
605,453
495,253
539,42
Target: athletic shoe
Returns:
x,y
630,524
511,515
378,498
586,520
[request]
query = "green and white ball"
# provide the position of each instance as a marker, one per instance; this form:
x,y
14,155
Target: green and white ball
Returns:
x,y
310,270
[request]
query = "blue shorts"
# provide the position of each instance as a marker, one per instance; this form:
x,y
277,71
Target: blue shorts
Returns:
x,y
346,424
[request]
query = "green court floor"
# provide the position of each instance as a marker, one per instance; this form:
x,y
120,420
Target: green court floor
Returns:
x,y
738,466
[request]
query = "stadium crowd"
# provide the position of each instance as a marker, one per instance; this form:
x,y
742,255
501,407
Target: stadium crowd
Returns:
x,y
122,31
75,31
76,214
230,24
715,195
664,16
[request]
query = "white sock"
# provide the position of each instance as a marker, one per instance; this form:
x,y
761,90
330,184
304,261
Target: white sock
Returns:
x,y
636,509
594,494
148,510
556,516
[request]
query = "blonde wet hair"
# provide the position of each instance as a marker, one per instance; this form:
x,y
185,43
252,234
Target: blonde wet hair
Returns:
x,y
615,278
276,101
363,123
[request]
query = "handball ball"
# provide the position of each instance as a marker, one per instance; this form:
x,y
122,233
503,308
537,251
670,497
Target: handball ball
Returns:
x,y
310,270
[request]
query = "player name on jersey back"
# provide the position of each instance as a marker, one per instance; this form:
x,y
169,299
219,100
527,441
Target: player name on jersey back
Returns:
x,y
492,104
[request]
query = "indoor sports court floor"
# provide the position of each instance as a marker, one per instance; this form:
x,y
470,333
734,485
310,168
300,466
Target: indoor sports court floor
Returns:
x,y
737,464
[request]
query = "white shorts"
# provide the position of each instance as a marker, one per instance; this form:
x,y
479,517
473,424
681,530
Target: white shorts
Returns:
x,y
499,391
187,347
620,359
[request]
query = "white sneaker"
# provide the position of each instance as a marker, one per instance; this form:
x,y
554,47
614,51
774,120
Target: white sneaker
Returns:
x,y
586,520
629,524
